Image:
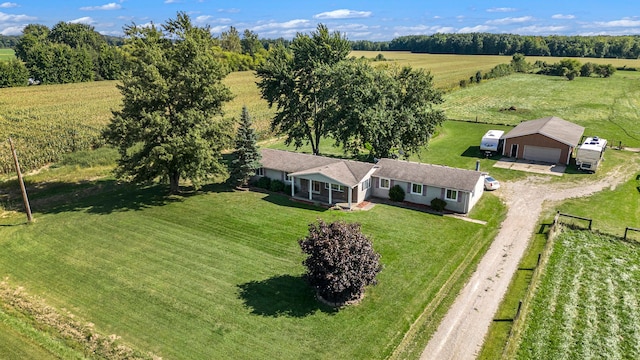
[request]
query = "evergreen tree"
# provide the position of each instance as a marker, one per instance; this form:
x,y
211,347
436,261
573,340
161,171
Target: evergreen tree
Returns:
x,y
246,157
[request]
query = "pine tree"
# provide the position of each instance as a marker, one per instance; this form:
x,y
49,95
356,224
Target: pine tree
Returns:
x,y
246,157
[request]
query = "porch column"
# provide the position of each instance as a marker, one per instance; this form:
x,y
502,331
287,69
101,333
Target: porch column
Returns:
x,y
349,196
293,186
330,192
310,189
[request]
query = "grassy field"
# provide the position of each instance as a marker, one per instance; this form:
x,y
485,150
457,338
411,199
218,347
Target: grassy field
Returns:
x,y
586,305
6,54
609,108
218,274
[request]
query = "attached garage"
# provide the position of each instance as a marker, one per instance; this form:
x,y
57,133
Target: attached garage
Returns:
x,y
544,154
549,139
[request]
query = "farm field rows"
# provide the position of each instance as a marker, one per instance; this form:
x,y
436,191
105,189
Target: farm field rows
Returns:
x,y
218,274
586,305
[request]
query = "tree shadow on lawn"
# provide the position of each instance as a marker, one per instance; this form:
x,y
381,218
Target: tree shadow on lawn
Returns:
x,y
282,295
104,197
474,152
284,200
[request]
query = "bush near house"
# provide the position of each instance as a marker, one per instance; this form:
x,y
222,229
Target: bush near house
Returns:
x,y
438,204
396,193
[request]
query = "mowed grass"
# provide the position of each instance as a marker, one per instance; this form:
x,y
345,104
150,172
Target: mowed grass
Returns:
x,y
7,54
609,108
218,274
587,304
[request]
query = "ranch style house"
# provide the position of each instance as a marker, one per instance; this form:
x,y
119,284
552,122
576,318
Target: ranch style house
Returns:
x,y
348,183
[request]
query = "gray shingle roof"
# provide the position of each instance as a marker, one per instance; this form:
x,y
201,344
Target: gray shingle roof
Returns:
x,y
351,173
428,174
551,127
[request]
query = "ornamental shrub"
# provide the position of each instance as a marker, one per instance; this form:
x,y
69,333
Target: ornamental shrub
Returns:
x,y
396,193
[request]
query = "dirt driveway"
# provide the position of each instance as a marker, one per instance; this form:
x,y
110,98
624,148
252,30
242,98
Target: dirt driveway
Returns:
x,y
462,331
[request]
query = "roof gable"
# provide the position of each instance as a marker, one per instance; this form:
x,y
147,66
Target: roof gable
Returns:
x,y
552,127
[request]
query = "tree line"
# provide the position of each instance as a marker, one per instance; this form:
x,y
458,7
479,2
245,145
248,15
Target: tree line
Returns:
x,y
627,47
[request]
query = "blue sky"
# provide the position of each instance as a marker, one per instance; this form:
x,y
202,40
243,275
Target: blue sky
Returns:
x,y
359,20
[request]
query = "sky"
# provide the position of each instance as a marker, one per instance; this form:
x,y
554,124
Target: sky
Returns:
x,y
374,20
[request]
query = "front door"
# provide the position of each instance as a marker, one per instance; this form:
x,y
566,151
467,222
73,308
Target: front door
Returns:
x,y
514,150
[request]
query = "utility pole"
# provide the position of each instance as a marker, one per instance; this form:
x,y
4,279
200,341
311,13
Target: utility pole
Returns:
x,y
25,199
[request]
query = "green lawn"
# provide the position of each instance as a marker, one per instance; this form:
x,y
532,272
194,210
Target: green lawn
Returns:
x,y
587,303
218,274
7,54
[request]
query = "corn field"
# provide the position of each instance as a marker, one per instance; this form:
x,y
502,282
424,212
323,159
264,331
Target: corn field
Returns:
x,y
587,304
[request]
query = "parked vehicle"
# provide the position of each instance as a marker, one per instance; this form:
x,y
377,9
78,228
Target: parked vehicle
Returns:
x,y
491,142
490,183
590,153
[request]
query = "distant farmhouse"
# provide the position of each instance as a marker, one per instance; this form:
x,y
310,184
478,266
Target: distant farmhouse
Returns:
x,y
549,139
349,183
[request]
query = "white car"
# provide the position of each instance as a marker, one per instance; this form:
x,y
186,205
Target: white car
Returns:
x,y
491,183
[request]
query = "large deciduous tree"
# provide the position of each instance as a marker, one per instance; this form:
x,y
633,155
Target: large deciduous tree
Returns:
x,y
341,261
246,156
170,125
385,109
289,79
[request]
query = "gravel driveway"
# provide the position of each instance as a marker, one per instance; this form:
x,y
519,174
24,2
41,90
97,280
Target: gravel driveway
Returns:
x,y
462,331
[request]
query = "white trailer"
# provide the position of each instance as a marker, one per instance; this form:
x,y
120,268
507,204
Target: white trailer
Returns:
x,y
590,153
491,141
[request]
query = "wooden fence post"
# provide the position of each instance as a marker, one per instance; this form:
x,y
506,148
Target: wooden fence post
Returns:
x,y
25,199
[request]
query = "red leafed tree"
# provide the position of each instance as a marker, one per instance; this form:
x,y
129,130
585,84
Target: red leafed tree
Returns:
x,y
341,261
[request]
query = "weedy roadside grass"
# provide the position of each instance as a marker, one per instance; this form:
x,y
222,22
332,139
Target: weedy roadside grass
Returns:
x,y
586,305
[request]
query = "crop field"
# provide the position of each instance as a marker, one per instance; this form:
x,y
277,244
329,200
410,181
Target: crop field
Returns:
x,y
218,274
6,54
448,69
587,304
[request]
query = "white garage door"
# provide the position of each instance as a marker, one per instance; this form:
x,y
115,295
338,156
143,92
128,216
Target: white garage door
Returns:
x,y
537,153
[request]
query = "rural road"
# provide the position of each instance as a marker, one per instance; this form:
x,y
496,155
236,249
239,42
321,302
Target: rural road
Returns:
x,y
461,333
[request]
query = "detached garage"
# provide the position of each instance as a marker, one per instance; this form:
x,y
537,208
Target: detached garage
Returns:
x,y
549,139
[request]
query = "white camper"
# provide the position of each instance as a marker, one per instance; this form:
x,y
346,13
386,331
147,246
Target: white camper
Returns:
x,y
491,141
590,153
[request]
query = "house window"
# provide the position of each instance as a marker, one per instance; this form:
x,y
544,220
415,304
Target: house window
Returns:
x,y
384,183
334,187
287,177
451,195
316,187
366,184
416,188
260,171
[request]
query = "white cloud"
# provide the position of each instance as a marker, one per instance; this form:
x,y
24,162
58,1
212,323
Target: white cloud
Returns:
x,y
474,29
109,6
291,24
502,9
421,30
343,14
7,5
171,1
12,30
534,29
5,18
563,16
232,10
510,20
83,20
619,23
208,19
